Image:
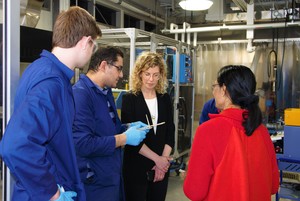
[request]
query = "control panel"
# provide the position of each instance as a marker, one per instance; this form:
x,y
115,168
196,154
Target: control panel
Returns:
x,y
185,69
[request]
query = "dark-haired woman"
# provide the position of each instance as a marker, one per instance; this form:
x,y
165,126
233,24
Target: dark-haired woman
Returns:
x,y
232,156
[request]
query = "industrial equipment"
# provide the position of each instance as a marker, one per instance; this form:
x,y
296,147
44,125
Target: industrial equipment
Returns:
x,y
185,69
289,161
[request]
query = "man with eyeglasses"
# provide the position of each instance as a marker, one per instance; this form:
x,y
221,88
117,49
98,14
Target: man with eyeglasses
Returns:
x,y
97,129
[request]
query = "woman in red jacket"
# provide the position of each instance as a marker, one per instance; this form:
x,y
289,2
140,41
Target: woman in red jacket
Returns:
x,y
232,156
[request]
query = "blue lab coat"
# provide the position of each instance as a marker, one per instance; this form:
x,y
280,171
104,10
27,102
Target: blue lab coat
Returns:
x,y
37,145
208,108
95,144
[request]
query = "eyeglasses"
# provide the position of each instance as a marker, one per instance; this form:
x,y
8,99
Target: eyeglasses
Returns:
x,y
213,86
119,68
95,47
155,76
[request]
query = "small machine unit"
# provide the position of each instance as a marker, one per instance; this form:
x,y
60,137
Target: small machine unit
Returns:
x,y
185,69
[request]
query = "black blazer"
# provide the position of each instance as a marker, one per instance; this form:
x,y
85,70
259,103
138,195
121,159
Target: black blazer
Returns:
x,y
134,108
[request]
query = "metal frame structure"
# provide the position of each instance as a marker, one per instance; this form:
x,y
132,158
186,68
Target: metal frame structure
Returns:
x,y
11,75
132,38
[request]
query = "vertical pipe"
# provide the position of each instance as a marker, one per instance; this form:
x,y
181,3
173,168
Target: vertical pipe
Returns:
x,y
176,97
132,34
11,74
153,43
195,40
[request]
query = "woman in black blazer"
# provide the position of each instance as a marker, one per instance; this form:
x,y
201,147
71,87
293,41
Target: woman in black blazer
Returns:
x,y
145,167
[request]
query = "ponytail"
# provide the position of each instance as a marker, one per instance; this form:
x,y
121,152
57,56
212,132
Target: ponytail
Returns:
x,y
253,116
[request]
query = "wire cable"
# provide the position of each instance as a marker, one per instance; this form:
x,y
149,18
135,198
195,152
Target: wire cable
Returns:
x,y
270,63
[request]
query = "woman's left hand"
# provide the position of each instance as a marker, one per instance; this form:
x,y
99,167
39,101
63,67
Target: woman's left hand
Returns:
x,y
159,174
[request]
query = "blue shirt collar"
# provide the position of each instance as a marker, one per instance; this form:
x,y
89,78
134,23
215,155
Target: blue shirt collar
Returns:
x,y
92,84
62,67
103,90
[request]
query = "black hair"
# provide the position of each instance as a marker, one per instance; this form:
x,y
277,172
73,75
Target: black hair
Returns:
x,y
108,54
241,85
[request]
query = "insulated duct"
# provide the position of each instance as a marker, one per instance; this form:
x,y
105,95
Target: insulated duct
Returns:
x,y
30,11
230,27
137,10
241,4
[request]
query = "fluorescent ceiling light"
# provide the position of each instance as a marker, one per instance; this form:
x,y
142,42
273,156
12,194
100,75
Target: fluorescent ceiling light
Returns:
x,y
195,4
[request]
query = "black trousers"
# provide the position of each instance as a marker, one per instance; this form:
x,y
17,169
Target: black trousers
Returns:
x,y
146,190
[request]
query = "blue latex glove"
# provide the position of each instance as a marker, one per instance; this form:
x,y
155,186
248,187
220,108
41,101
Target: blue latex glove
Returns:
x,y
135,136
66,196
137,123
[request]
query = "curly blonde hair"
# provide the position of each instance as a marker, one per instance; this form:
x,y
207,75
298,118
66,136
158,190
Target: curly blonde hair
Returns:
x,y
145,61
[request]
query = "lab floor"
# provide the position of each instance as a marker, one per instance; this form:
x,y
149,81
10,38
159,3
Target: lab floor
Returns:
x,y
175,192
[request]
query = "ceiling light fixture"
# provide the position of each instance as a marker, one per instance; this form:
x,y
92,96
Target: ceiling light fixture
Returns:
x,y
195,4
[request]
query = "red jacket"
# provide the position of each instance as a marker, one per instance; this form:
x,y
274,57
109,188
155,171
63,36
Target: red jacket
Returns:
x,y
225,164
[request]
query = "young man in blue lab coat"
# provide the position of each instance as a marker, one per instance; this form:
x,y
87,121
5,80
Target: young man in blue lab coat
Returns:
x,y
37,145
98,132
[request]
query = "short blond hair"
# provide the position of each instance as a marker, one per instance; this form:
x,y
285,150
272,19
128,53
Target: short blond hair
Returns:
x,y
145,61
